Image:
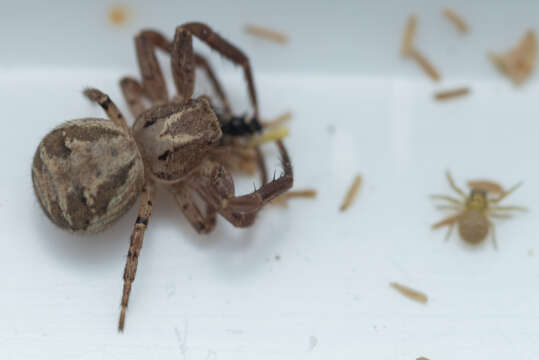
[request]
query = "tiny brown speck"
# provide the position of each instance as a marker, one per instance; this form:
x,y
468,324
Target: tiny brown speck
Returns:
x,y
277,257
410,293
119,15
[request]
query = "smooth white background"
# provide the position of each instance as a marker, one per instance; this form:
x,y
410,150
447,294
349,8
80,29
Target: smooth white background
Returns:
x,y
357,107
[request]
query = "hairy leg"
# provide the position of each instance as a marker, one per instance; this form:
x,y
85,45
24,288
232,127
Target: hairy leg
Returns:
x,y
261,161
153,80
241,210
110,108
183,59
135,246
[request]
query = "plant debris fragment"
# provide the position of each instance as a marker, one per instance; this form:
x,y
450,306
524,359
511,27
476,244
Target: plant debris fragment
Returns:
x,y
451,94
410,293
351,194
457,20
518,63
266,33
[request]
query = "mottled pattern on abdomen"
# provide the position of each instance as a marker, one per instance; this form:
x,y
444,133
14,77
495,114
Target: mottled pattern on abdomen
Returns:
x,y
86,174
473,226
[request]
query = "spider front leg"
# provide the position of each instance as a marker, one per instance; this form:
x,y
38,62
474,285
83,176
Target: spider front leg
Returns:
x,y
153,80
449,221
241,210
183,59
135,246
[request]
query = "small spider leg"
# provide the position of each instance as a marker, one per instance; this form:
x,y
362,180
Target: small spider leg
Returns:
x,y
449,231
183,59
133,94
268,191
493,234
448,198
506,193
500,216
508,208
449,207
447,221
454,186
135,246
203,224
153,80
110,108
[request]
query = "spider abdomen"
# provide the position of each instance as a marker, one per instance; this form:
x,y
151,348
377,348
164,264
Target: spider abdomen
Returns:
x,y
86,174
473,226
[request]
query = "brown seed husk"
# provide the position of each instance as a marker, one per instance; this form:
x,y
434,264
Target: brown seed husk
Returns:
x,y
409,36
425,64
457,20
451,94
410,293
266,33
519,62
351,194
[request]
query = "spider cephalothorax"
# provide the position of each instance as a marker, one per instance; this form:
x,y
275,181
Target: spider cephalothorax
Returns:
x,y
174,137
88,172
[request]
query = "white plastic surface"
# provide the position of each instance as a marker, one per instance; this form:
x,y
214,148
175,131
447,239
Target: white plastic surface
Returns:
x,y
305,282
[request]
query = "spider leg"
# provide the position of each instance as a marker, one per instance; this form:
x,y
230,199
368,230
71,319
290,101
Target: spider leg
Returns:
x,y
449,231
500,216
268,191
506,193
183,59
447,221
241,210
110,108
153,80
448,198
448,207
454,186
261,162
493,231
133,93
509,208
135,246
203,224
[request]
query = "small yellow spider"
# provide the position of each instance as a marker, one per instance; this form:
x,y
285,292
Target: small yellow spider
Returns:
x,y
473,212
